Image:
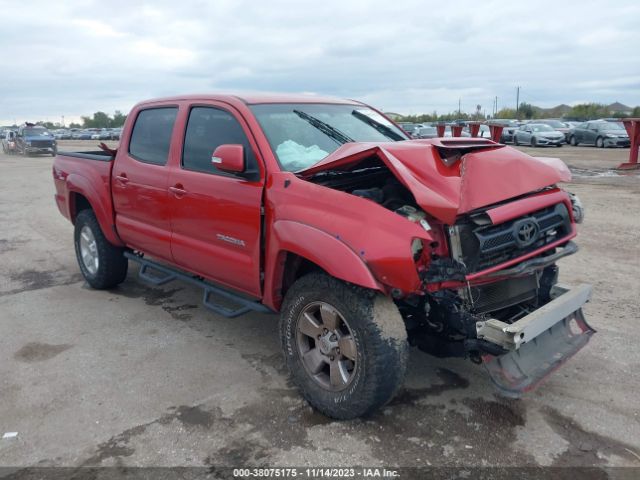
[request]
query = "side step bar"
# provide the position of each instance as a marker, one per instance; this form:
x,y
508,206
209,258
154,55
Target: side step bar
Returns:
x,y
157,274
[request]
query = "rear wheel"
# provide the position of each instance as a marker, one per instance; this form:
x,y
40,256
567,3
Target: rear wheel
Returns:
x,y
345,346
102,264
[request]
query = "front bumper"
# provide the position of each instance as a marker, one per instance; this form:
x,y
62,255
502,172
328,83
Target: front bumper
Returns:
x,y
617,142
40,149
550,141
538,343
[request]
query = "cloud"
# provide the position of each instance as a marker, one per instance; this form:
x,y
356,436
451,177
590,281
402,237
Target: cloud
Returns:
x,y
73,58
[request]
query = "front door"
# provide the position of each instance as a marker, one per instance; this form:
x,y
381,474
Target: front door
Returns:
x,y
215,216
139,183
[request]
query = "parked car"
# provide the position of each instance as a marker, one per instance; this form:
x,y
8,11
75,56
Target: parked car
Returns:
x,y
409,127
509,128
426,132
115,133
364,241
9,145
483,132
84,135
538,134
600,133
33,139
555,124
61,134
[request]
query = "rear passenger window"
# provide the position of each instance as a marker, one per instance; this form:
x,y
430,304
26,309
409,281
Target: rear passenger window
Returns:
x,y
151,135
207,129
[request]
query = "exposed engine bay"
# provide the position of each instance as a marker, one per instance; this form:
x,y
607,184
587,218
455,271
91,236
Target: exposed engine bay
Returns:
x,y
375,182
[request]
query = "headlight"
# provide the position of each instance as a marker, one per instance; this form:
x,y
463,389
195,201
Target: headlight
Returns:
x,y
28,143
611,136
577,207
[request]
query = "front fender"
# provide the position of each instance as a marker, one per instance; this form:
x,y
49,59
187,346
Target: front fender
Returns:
x,y
100,203
317,246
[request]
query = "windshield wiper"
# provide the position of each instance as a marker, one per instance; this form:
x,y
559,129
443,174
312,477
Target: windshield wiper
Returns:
x,y
325,128
383,129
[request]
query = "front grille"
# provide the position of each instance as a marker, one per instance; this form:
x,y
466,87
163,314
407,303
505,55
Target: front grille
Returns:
x,y
484,246
41,143
502,294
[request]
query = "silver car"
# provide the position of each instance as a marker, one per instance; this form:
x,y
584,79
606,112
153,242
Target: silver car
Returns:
x,y
538,134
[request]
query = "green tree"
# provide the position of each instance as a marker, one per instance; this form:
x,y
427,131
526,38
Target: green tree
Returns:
x,y
588,111
526,110
506,113
118,119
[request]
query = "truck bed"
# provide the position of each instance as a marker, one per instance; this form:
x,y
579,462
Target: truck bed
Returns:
x,y
99,155
86,177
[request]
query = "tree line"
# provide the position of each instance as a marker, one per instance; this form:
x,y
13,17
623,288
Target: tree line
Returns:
x,y
97,120
526,111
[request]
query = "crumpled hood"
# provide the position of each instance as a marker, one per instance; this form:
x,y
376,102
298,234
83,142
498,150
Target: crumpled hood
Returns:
x,y
486,173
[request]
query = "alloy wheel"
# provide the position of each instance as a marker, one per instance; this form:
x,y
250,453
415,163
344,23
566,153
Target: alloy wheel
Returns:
x,y
326,346
89,250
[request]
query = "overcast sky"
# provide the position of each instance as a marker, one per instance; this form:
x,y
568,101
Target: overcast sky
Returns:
x,y
73,58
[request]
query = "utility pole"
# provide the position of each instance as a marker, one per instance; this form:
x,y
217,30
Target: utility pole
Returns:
x,y
495,111
517,100
63,121
459,107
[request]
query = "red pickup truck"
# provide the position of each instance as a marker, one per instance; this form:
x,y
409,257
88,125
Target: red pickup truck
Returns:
x,y
365,241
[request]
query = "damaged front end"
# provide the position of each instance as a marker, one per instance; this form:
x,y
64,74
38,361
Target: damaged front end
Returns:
x,y
519,328
485,258
496,299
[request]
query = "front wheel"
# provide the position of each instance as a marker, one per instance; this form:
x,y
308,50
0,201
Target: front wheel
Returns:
x,y
573,141
600,142
102,264
345,346
534,142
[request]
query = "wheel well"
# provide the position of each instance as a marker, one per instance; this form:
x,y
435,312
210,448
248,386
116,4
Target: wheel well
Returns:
x,y
78,203
295,267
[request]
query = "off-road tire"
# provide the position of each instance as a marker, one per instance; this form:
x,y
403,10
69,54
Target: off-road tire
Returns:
x,y
380,337
112,264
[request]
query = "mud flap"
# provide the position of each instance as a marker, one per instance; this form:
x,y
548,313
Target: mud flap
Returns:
x,y
523,369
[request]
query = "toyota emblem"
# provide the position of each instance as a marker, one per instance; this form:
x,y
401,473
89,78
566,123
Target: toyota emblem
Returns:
x,y
526,232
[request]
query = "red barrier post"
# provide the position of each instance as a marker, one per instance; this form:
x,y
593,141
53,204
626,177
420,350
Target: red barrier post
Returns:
x,y
496,132
456,130
474,128
632,126
440,128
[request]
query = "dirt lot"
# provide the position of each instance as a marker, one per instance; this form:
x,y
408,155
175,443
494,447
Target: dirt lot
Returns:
x,y
146,376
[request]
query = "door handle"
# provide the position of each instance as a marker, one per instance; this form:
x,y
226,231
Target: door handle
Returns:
x,y
122,178
178,190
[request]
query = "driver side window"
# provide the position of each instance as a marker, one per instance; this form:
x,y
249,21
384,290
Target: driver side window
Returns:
x,y
207,129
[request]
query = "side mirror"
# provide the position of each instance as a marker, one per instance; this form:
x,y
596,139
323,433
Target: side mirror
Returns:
x,y
229,158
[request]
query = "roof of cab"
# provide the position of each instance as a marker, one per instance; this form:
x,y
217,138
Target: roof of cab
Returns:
x,y
254,98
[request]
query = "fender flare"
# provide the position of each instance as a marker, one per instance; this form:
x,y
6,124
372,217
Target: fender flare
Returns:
x,y
77,184
325,250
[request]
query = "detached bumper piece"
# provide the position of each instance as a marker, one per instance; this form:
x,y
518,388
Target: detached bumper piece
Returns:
x,y
538,343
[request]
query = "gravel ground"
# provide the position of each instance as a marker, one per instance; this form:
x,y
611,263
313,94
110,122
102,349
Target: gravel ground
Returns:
x,y
143,376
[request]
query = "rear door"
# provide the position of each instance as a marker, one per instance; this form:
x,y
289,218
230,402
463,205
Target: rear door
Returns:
x,y
591,133
215,216
139,182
